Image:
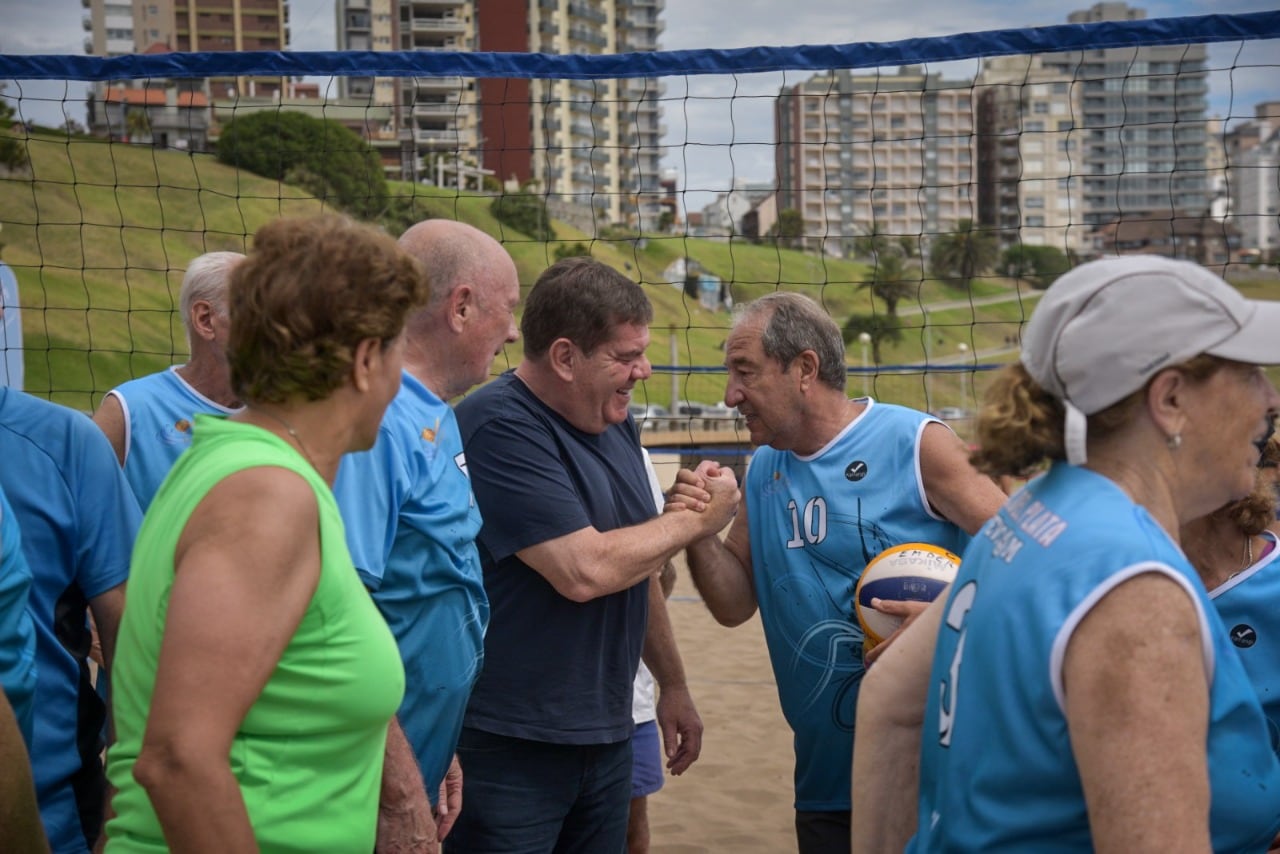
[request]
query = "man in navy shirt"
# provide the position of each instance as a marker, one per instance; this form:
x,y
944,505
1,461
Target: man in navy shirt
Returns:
x,y
569,542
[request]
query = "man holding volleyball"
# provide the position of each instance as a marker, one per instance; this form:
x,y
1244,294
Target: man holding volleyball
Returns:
x,y
833,483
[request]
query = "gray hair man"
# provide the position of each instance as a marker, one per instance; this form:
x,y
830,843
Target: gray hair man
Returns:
x,y
832,483
148,420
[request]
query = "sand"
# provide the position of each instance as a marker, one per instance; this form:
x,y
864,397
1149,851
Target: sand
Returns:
x,y
738,796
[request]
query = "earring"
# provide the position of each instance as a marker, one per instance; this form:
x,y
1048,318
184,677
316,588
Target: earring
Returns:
x,y
1174,442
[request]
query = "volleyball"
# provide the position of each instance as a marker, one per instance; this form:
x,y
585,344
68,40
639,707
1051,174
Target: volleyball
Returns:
x,y
911,572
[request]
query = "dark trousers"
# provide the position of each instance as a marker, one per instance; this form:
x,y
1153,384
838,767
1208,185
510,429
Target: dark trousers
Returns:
x,y
530,797
823,832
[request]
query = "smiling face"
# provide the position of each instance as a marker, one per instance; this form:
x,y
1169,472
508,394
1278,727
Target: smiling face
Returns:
x,y
1231,423
603,379
763,391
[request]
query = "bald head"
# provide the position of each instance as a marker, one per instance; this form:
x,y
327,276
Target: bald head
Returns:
x,y
471,314
454,253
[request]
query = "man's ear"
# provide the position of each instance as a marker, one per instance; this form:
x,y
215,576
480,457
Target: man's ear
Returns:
x,y
563,357
807,363
462,304
365,362
201,319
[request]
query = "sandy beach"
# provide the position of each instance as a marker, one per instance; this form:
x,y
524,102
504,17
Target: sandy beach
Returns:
x,y
738,796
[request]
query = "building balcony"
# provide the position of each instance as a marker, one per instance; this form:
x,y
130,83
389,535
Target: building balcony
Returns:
x,y
549,28
418,6
435,109
591,37
437,84
88,46
587,13
437,138
87,21
447,24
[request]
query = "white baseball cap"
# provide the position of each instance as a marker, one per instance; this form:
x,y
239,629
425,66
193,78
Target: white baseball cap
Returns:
x,y
1105,328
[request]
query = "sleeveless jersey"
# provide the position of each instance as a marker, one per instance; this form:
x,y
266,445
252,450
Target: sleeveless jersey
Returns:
x,y
815,522
997,771
158,413
1249,605
411,525
308,754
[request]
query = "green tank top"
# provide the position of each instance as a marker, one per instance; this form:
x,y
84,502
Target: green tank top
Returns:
x,y
308,755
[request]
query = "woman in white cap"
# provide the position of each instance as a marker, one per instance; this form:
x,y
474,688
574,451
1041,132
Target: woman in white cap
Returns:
x,y
1083,693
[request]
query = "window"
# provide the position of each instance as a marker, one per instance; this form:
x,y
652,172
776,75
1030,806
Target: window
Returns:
x,y
1040,107
1066,125
1034,202
1033,127
1059,88
1035,221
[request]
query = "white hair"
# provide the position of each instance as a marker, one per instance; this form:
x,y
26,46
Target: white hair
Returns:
x,y
206,279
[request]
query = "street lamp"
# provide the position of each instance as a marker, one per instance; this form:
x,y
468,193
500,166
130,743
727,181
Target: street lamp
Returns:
x,y
964,376
864,338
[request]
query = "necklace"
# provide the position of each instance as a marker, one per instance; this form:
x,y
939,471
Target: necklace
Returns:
x,y
294,433
1247,560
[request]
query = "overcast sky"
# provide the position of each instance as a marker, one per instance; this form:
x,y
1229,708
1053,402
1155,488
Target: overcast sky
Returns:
x,y
733,135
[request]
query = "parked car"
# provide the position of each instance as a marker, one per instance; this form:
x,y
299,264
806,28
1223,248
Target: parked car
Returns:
x,y
649,416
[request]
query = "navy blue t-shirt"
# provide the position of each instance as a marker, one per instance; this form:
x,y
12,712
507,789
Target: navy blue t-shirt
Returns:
x,y
555,670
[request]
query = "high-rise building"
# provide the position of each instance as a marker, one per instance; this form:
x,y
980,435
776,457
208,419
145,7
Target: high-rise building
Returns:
x,y
1030,181
136,26
1143,111
875,154
594,143
1253,181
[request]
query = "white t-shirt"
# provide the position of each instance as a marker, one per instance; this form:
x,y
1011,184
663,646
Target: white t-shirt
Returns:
x,y
644,700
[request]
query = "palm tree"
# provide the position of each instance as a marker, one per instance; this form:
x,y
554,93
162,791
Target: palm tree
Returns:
x,y
965,253
889,280
881,327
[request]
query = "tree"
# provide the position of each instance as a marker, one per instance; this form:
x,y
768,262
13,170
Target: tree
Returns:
x,y
138,125
881,328
525,212
13,149
889,280
964,254
335,162
872,244
789,228
572,250
1040,265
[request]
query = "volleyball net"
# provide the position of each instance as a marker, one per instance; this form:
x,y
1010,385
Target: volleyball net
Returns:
x,y
924,191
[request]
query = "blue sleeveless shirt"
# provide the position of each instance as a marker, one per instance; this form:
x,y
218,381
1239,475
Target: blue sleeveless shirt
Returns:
x,y
159,411
815,523
997,771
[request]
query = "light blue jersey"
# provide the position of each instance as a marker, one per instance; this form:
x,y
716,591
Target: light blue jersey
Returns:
x,y
1249,605
159,411
17,631
411,526
997,771
815,523
78,519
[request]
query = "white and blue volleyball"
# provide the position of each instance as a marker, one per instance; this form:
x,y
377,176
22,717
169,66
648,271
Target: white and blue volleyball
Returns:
x,y
911,572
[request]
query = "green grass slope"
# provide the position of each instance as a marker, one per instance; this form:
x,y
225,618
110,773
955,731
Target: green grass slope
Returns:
x,y
99,233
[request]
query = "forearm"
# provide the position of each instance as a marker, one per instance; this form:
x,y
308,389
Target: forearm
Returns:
x,y
588,564
886,750
20,826
660,651
401,778
198,803
722,580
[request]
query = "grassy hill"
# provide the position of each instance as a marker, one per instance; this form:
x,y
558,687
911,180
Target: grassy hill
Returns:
x,y
98,234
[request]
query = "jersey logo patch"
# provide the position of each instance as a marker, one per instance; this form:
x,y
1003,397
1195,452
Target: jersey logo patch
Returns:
x,y
1243,636
855,471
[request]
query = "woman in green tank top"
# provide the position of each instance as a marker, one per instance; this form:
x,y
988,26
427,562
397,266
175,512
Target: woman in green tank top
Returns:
x,y
254,677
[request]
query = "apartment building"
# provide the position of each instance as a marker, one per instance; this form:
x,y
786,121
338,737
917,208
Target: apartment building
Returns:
x,y
1143,111
1030,171
883,154
1253,181
592,143
120,27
